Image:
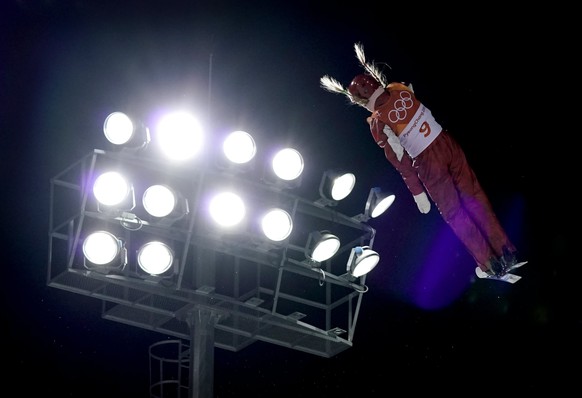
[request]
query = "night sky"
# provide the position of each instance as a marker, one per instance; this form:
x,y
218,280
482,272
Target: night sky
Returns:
x,y
427,323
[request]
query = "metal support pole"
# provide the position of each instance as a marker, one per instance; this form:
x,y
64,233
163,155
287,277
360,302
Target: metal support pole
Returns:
x,y
202,322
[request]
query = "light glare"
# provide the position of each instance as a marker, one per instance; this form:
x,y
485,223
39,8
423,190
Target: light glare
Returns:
x,y
382,206
325,248
342,186
227,209
155,258
179,135
362,260
111,188
277,225
118,128
239,147
101,247
159,200
288,164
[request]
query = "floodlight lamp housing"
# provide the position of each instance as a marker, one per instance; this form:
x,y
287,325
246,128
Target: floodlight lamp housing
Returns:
x,y
285,171
115,267
276,224
362,260
117,262
271,179
238,153
335,186
125,132
156,262
164,205
226,166
376,204
321,246
113,193
127,205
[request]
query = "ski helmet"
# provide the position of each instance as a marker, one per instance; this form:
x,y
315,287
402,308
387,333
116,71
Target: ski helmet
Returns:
x,y
363,86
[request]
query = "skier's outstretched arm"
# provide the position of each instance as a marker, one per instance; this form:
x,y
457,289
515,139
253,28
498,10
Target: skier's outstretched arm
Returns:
x,y
395,154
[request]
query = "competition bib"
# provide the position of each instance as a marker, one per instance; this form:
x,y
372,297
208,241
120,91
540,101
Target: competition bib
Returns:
x,y
420,132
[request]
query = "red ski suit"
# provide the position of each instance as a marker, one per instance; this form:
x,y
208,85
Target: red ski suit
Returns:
x,y
437,163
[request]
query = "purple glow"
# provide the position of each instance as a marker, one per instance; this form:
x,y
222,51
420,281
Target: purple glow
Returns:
x,y
445,273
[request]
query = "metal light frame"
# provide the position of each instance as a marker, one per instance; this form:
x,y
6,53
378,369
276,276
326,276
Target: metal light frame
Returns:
x,y
226,290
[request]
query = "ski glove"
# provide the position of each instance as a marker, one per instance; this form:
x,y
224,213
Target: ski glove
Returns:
x,y
422,202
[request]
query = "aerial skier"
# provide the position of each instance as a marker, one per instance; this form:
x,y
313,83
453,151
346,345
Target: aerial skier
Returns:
x,y
430,162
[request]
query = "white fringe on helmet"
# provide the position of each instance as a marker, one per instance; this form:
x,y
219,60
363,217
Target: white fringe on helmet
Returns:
x,y
370,67
332,85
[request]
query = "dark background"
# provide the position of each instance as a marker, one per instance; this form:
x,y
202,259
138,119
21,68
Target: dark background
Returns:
x,y
427,324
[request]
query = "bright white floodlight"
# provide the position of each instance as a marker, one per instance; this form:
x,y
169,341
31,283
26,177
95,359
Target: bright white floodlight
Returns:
x,y
277,224
159,200
111,188
239,147
361,261
321,246
382,202
378,202
166,204
288,164
227,209
103,250
118,128
179,135
342,186
155,258
335,186
122,131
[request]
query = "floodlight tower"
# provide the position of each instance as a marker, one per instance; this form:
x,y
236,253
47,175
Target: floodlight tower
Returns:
x,y
206,252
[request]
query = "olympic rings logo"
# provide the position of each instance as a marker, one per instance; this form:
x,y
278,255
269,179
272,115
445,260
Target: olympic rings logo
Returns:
x,y
400,106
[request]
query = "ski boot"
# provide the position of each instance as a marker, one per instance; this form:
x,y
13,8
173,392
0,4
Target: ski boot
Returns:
x,y
509,258
496,267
